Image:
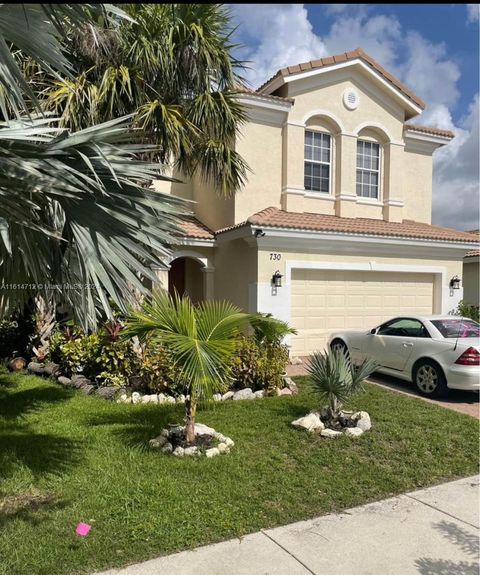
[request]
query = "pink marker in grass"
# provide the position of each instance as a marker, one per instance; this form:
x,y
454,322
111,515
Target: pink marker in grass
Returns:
x,y
83,529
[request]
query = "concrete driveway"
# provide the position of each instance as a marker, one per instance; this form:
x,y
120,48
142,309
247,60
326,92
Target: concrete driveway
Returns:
x,y
463,401
433,531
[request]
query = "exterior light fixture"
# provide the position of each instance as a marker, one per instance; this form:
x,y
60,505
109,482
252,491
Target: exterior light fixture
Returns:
x,y
455,282
259,233
277,279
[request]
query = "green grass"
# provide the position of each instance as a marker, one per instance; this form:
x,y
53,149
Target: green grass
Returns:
x,y
89,456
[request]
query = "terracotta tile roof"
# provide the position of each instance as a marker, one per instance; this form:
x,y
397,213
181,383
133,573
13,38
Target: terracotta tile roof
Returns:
x,y
195,229
243,90
358,53
429,130
473,254
275,218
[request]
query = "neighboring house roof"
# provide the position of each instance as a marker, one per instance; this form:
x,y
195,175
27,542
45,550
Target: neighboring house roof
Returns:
x,y
193,228
343,57
429,130
274,218
473,254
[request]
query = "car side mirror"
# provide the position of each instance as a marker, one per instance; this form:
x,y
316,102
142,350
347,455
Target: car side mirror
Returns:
x,y
373,331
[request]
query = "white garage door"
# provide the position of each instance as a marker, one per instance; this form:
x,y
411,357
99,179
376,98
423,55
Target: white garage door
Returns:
x,y
326,301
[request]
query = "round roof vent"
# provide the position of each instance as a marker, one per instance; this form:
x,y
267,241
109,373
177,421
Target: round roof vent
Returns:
x,y
351,99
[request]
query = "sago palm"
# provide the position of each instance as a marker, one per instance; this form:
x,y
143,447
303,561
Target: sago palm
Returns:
x,y
200,339
335,378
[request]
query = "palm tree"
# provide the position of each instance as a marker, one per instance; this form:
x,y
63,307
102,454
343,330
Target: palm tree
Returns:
x,y
172,67
74,209
335,378
200,340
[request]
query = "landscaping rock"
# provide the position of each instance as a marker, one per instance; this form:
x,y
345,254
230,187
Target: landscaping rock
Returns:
x,y
165,432
188,451
153,398
259,394
295,361
246,393
87,389
108,392
136,397
65,381
79,381
36,368
145,399
285,391
212,452
181,398
167,448
310,422
363,420
221,438
170,399
51,368
161,398
330,433
223,448
353,431
228,395
158,442
291,385
179,452
201,429
17,364
217,397
229,442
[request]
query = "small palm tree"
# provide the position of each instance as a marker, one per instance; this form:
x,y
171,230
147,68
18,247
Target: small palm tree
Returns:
x,y
200,339
335,378
269,330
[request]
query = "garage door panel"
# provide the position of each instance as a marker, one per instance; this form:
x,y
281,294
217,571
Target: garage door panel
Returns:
x,y
326,301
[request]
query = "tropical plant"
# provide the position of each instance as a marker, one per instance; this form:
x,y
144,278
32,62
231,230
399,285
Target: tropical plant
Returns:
x,y
76,221
335,379
172,67
200,340
269,330
471,311
258,366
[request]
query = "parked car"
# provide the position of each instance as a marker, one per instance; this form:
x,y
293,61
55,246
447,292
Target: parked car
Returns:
x,y
435,352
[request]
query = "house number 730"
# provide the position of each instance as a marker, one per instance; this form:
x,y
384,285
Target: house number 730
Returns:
x,y
275,257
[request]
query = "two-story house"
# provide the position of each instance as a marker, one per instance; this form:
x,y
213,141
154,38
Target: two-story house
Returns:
x,y
338,203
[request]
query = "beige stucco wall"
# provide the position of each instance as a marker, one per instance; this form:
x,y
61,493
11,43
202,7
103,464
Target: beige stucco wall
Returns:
x,y
417,185
470,280
235,271
260,145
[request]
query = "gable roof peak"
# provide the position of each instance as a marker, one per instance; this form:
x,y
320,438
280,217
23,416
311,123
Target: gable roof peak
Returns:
x,y
357,54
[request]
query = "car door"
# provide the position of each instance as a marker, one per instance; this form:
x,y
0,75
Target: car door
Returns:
x,y
394,341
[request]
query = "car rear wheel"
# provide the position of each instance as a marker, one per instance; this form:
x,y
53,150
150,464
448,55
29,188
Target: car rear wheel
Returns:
x,y
339,346
430,379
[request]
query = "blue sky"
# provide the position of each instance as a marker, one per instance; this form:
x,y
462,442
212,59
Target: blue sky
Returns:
x,y
433,48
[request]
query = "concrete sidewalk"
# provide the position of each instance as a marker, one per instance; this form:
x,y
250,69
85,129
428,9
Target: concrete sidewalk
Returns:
x,y
426,532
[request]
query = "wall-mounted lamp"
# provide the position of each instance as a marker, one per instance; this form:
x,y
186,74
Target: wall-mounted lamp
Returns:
x,y
259,233
277,279
455,283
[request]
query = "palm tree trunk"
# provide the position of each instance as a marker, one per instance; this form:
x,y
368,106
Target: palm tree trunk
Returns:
x,y
190,409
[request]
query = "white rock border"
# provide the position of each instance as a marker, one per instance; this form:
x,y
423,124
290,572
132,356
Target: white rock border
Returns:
x,y
164,442
312,422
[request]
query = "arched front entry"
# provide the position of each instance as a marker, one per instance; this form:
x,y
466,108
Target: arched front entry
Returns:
x,y
186,277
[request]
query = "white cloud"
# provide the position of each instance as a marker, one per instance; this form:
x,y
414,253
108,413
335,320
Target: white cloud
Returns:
x,y
473,12
456,176
281,35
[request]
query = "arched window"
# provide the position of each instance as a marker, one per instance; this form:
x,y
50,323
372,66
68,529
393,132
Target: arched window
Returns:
x,y
370,162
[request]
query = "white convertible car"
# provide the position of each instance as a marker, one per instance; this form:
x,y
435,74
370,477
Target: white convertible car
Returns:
x,y
435,352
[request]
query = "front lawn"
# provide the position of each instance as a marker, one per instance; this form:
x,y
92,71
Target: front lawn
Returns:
x,y
66,458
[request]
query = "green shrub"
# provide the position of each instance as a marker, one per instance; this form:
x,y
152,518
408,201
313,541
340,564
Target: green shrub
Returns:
x,y
99,358
158,372
258,366
468,310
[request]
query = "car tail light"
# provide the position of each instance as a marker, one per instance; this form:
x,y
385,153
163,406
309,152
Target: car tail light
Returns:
x,y
469,357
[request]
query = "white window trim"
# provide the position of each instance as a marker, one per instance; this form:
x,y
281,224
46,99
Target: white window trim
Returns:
x,y
369,199
319,193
